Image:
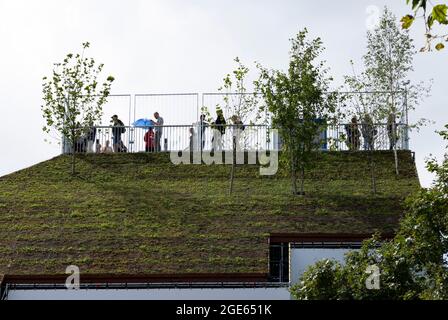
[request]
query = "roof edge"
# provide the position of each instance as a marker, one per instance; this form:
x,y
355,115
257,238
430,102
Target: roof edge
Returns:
x,y
324,237
143,278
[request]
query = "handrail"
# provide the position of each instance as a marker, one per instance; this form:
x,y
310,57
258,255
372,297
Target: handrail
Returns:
x,y
398,124
209,136
165,94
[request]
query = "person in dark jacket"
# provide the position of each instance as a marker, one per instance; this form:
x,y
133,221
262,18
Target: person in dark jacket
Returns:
x,y
219,129
369,132
117,130
90,138
353,135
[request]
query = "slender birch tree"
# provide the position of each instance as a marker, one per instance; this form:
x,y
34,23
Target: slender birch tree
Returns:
x,y
73,98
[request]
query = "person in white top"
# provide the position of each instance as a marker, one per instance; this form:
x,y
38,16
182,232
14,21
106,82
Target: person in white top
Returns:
x,y
98,146
158,131
107,148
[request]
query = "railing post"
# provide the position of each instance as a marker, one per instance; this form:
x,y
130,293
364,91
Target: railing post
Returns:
x,y
175,137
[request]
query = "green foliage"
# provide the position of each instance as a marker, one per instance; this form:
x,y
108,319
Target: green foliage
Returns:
x,y
412,265
73,98
388,63
296,99
407,21
437,14
320,281
440,46
441,170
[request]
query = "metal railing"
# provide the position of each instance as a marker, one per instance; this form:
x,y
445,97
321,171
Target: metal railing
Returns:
x,y
367,137
182,108
174,138
197,137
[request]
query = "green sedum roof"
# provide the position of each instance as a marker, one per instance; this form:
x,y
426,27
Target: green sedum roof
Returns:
x,y
140,214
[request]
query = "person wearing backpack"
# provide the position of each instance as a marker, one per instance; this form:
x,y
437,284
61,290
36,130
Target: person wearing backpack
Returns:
x,y
353,135
117,130
219,129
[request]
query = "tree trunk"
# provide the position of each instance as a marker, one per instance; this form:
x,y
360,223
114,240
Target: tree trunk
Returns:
x,y
74,141
293,174
396,160
394,137
302,180
372,171
73,160
394,126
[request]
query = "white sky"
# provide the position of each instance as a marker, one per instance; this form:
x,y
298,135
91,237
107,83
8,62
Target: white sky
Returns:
x,y
180,46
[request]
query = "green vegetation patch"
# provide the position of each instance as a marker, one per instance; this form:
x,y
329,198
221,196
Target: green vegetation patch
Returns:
x,y
140,214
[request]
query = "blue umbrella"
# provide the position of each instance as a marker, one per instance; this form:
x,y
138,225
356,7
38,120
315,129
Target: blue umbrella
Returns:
x,y
143,123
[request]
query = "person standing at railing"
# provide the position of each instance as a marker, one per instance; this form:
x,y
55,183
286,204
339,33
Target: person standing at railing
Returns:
x,y
117,130
80,145
202,124
238,128
98,146
159,131
368,132
149,140
392,131
107,148
91,137
219,129
353,135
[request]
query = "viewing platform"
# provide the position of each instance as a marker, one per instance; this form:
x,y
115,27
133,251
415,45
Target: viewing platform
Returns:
x,y
182,129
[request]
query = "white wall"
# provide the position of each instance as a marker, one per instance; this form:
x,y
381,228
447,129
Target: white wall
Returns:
x,y
302,258
153,294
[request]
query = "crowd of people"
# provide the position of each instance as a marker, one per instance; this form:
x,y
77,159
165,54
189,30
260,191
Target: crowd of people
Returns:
x,y
218,127
356,131
89,143
197,138
369,133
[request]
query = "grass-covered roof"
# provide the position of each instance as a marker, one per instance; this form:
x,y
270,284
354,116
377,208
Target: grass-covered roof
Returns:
x,y
140,214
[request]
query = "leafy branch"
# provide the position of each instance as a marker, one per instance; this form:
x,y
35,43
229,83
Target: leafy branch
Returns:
x,y
431,14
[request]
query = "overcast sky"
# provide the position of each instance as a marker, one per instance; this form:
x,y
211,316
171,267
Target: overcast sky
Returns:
x,y
181,46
